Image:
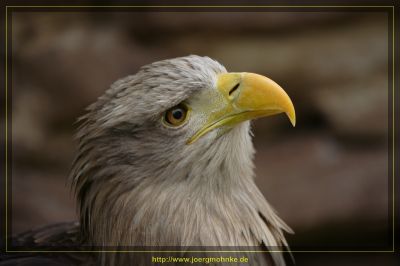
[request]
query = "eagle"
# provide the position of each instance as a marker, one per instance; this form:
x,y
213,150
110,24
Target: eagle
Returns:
x,y
165,158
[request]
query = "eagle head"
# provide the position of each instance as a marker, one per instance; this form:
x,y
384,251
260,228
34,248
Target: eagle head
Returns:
x,y
165,158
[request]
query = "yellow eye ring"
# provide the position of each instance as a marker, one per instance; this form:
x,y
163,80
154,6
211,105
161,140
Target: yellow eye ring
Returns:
x,y
176,115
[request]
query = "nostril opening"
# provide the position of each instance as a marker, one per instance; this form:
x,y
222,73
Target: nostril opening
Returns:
x,y
233,89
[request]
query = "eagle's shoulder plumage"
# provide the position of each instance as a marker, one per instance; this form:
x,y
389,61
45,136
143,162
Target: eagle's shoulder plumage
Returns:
x,y
39,246
61,234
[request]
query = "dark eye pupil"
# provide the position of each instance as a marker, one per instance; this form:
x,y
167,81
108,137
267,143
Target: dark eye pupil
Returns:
x,y
177,114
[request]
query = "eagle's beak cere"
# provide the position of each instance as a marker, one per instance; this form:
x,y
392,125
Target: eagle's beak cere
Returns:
x,y
246,96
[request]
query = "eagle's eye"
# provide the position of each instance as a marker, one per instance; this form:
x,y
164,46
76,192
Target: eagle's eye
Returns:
x,y
176,115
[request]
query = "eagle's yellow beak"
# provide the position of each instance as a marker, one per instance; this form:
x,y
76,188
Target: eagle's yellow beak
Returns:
x,y
246,96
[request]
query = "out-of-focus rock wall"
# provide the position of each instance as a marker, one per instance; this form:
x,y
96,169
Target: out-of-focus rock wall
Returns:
x,y
324,177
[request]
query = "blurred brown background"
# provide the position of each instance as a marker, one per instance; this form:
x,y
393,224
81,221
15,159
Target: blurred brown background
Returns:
x,y
327,178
